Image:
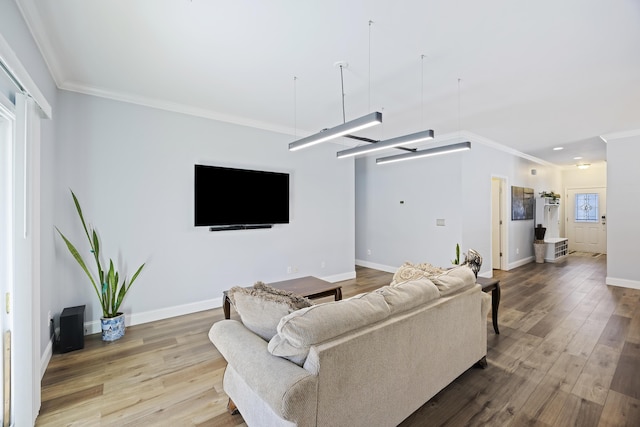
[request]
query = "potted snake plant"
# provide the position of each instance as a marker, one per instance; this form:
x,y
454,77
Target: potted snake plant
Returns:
x,y
107,285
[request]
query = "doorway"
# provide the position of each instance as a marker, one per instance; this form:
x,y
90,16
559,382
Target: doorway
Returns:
x,y
586,219
498,229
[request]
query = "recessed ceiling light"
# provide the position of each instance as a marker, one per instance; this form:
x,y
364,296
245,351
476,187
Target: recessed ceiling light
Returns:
x,y
577,158
558,148
583,166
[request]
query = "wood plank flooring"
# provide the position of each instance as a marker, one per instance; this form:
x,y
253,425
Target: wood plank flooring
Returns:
x,y
568,355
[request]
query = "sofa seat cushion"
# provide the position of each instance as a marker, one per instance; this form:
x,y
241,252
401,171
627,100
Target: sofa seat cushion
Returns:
x,y
312,325
403,296
261,307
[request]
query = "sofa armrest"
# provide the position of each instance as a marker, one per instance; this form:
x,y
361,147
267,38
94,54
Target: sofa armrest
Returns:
x,y
290,391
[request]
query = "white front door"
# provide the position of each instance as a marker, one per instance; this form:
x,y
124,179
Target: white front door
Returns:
x,y
586,219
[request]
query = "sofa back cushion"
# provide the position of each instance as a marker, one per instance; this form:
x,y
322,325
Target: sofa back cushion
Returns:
x,y
454,280
312,325
261,307
403,296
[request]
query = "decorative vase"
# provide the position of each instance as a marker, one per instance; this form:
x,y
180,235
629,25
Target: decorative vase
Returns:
x,y
539,249
112,327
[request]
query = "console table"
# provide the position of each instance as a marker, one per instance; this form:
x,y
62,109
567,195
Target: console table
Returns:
x,y
493,286
308,287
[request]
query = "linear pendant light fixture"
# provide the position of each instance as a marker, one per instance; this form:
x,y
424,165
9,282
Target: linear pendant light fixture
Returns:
x,y
363,122
461,146
390,143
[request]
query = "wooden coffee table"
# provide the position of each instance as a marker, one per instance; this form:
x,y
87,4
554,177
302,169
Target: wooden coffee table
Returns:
x,y
309,287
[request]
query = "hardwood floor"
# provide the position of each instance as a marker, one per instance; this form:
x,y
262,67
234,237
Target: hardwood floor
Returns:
x,y
568,354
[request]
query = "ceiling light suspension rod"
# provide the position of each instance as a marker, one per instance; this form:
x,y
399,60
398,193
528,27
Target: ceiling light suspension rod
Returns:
x,y
389,143
363,122
344,117
446,149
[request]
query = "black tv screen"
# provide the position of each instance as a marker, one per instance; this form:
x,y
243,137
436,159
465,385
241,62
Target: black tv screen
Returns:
x,y
229,197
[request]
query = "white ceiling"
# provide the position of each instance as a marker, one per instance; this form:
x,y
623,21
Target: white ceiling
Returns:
x,y
533,74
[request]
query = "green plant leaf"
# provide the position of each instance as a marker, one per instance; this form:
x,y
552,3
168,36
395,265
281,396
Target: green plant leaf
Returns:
x,y
79,259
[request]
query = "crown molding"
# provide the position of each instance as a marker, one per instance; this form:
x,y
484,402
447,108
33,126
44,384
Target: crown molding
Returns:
x,y
490,143
175,107
36,26
619,135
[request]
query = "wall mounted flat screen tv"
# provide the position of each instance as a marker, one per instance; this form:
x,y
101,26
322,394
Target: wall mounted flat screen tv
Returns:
x,y
240,197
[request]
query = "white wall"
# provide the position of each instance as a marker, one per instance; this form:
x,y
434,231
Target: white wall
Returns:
x,y
595,176
623,231
396,232
132,170
454,187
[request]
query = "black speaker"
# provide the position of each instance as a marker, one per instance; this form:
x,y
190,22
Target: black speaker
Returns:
x,y
72,329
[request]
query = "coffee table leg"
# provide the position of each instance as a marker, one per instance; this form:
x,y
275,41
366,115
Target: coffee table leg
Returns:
x,y
338,295
495,302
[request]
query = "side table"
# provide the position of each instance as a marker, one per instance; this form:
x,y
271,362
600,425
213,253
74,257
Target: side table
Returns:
x,y
492,285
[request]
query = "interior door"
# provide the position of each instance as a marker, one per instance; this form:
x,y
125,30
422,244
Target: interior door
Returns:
x,y
586,219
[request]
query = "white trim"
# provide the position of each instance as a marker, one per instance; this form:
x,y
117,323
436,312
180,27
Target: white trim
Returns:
x,y
177,108
11,62
93,327
381,267
620,135
31,15
7,108
490,143
521,262
623,283
340,277
46,358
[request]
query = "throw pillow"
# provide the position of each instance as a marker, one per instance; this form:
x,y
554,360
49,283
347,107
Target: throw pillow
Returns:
x,y
408,272
261,307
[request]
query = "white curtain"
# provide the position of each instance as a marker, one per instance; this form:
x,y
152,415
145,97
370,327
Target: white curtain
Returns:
x,y
26,240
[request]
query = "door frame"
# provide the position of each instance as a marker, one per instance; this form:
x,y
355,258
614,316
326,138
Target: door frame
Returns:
x,y
503,230
567,210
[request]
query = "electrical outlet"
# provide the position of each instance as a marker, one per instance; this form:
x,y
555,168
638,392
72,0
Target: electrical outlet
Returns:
x,y
49,317
368,251
323,264
517,251
289,270
295,269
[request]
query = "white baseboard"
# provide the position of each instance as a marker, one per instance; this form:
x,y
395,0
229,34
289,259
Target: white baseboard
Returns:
x,y
46,358
623,283
381,267
93,327
340,277
520,263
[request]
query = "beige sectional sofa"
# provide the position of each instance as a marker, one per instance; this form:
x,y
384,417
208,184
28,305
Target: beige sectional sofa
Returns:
x,y
370,360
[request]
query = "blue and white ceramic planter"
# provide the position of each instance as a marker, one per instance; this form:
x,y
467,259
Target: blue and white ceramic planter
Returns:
x,y
112,328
